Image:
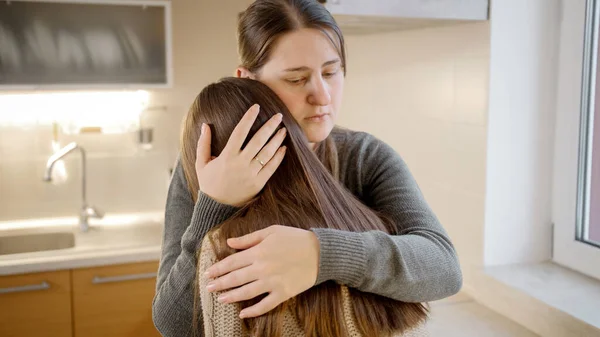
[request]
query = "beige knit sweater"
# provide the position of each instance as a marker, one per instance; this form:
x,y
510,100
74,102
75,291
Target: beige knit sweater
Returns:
x,y
222,320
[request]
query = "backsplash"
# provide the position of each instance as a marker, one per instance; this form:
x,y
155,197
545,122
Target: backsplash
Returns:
x,y
121,176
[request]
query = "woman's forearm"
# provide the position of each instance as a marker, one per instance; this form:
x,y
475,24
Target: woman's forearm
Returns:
x,y
417,267
186,225
419,264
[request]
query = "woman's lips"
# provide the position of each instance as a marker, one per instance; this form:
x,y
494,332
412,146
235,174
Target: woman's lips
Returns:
x,y
317,118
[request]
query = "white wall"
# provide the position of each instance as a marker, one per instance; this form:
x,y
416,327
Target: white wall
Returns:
x,y
425,93
523,75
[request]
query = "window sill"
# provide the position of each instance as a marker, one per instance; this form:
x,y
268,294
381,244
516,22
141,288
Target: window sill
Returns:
x,y
546,298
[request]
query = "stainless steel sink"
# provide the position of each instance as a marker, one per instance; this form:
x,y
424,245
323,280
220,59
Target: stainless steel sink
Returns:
x,y
36,242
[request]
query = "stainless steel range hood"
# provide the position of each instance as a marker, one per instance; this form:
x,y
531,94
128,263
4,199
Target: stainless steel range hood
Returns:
x,y
370,16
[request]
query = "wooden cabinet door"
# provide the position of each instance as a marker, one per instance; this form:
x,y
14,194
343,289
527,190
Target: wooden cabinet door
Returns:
x,y
114,300
37,304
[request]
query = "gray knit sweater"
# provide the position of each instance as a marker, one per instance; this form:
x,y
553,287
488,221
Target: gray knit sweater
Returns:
x,y
419,265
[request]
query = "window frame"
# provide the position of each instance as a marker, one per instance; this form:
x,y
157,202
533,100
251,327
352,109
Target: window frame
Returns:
x,y
575,84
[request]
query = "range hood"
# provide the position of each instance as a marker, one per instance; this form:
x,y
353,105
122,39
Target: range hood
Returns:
x,y
371,16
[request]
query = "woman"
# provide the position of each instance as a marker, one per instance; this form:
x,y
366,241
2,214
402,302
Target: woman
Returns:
x,y
296,48
311,198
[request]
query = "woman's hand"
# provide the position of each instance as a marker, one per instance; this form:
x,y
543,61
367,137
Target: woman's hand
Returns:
x,y
236,176
278,260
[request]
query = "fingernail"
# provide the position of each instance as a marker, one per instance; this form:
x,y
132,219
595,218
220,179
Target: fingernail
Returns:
x,y
282,131
210,287
222,298
243,314
206,274
256,108
202,127
284,148
279,116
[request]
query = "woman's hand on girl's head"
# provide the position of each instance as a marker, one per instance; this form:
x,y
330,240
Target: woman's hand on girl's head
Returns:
x,y
278,260
236,176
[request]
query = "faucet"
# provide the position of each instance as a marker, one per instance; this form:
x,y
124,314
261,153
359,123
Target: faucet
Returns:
x,y
86,211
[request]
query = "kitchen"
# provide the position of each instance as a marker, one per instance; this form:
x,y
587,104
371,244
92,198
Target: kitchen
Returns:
x,y
425,86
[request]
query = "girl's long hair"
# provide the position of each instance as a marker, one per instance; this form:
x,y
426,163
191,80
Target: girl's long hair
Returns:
x,y
302,193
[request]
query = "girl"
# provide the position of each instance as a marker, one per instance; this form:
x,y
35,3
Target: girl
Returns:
x,y
301,194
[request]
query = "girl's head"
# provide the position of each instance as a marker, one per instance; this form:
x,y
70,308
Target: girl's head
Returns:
x,y
301,193
221,106
296,48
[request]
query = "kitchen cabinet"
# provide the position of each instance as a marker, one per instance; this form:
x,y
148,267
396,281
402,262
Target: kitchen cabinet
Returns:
x,y
37,304
92,44
114,300
359,16
424,9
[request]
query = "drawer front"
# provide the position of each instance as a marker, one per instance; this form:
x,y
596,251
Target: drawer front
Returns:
x,y
37,304
114,300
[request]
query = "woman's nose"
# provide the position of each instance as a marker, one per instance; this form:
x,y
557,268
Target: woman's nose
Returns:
x,y
319,94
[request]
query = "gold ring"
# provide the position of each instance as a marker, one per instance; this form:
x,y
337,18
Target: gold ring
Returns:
x,y
259,161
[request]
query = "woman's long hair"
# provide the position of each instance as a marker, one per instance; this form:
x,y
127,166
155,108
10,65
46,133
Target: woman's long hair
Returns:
x,y
302,193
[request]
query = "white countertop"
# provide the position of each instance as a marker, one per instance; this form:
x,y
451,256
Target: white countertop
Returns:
x,y
115,239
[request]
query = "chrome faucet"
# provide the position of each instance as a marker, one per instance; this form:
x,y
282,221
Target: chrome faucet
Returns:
x,y
86,211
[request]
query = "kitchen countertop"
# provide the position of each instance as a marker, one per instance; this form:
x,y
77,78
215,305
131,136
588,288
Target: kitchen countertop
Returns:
x,y
115,239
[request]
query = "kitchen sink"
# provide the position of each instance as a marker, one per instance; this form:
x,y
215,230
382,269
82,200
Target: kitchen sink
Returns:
x,y
36,242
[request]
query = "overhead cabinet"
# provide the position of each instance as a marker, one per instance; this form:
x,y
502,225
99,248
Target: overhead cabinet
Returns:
x,y
360,16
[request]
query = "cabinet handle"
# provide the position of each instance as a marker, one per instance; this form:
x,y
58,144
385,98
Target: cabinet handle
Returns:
x,y
112,279
34,287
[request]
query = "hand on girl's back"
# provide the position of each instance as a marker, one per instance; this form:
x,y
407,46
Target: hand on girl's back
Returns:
x,y
264,266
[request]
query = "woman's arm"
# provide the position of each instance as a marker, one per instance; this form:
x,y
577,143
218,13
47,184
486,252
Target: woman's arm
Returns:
x,y
185,226
420,264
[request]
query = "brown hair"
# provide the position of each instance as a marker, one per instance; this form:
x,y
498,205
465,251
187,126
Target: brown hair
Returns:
x,y
303,194
264,21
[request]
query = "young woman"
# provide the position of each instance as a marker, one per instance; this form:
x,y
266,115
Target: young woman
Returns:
x,y
302,194
297,50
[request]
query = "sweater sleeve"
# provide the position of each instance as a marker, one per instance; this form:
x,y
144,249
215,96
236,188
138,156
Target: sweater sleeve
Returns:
x,y
220,319
419,264
185,226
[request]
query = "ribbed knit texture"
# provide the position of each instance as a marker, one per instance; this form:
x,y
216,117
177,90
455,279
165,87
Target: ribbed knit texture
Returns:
x,y
420,265
332,244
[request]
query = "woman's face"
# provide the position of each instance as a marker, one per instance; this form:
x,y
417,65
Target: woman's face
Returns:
x,y
305,71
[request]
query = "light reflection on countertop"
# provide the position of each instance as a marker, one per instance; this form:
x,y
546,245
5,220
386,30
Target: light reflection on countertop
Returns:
x,y
115,239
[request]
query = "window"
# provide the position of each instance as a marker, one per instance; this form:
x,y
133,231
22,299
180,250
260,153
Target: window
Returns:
x,y
593,231
576,188
588,226
591,228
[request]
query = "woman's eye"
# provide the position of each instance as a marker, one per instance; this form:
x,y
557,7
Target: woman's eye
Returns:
x,y
330,74
295,80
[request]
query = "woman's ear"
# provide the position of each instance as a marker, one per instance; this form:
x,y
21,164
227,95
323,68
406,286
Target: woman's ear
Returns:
x,y
242,72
